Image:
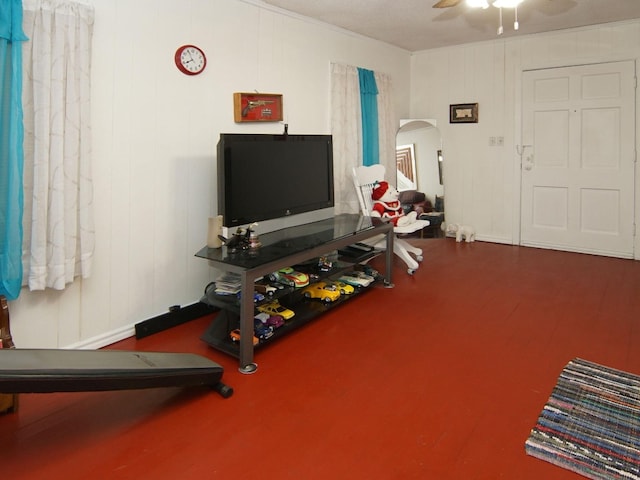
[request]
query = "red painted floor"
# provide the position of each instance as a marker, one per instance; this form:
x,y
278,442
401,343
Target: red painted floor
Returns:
x,y
441,377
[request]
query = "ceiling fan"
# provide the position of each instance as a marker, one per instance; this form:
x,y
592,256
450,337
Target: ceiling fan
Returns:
x,y
479,3
447,3
500,4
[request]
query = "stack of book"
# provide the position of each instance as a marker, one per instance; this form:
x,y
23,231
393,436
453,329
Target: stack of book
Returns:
x,y
228,284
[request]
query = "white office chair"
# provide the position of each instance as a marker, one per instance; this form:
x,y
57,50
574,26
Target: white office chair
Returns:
x,y
365,179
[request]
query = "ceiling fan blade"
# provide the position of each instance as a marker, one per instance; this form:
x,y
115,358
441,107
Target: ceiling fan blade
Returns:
x,y
447,3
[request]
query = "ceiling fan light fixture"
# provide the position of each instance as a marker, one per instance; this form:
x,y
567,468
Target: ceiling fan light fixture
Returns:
x,y
484,4
507,3
478,3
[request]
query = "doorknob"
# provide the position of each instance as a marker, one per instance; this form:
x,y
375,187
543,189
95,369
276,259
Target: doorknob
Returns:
x,y
528,163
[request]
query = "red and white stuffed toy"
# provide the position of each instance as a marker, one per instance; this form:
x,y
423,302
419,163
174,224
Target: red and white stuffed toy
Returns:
x,y
386,205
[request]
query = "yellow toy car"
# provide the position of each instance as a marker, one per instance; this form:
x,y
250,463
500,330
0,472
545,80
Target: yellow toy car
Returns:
x,y
322,291
274,308
343,288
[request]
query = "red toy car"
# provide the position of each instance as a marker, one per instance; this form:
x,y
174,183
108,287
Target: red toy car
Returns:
x,y
275,321
235,337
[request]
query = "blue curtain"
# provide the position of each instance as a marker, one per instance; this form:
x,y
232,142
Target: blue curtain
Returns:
x,y
11,151
369,107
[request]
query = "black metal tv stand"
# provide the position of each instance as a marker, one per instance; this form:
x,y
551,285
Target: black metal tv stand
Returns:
x,y
280,249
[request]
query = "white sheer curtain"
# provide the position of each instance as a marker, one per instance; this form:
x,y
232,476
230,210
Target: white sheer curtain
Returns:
x,y
346,128
388,122
58,216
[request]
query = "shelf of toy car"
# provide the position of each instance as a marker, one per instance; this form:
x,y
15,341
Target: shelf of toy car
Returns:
x,y
306,311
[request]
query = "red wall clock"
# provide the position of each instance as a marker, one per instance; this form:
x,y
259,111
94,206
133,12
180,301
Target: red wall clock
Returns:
x,y
190,60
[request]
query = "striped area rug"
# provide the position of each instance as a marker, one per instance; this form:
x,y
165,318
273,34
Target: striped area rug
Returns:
x,y
591,423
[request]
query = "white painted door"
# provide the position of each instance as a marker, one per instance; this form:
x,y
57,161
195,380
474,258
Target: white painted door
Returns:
x,y
578,159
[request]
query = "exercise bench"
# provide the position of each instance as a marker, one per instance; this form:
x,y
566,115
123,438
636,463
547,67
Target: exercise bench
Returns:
x,y
56,370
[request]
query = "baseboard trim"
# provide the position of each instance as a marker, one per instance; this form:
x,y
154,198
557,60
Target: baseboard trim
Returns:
x,y
103,340
145,328
173,318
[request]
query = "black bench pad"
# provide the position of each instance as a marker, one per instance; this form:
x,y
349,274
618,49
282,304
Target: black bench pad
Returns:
x,y
45,370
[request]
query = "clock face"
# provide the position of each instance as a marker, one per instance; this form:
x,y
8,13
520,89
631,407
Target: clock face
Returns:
x,y
190,60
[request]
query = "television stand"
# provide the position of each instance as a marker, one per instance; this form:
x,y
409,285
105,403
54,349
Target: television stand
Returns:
x,y
283,248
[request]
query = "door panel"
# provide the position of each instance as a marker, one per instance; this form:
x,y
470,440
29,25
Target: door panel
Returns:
x,y
578,169
551,133
600,143
550,205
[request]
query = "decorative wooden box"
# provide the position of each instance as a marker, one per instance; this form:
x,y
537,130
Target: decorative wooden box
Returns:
x,y
257,107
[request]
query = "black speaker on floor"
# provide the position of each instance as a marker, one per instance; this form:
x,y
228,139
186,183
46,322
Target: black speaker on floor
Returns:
x,y
176,316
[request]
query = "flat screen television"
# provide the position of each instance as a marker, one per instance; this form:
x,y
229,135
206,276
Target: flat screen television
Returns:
x,y
263,177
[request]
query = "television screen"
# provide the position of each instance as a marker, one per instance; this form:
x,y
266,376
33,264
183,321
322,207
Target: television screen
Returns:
x,y
263,177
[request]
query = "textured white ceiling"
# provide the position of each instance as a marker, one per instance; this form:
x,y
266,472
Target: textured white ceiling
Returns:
x,y
414,25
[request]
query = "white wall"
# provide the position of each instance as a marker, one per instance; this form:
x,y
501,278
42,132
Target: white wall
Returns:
x,y
482,181
155,130
154,137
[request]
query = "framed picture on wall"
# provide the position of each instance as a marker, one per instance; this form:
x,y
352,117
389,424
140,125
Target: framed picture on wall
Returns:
x,y
463,113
